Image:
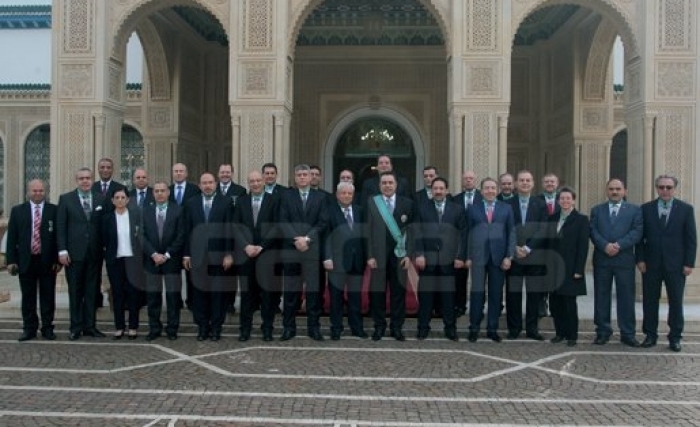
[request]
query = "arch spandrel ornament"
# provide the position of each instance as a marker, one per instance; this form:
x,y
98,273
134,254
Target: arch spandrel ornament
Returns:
x,y
126,14
620,12
300,9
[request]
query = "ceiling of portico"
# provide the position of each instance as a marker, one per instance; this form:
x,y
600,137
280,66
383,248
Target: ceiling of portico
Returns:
x,y
543,23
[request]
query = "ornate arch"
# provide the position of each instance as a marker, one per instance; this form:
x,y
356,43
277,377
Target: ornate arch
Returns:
x,y
23,142
346,118
610,9
301,11
596,74
128,19
156,60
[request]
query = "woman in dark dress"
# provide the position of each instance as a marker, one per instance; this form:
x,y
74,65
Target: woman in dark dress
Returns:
x,y
569,231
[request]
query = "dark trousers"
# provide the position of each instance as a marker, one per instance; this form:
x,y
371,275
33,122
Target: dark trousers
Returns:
x,y
651,286
258,286
602,292
83,281
461,279
41,280
565,313
397,279
514,303
495,276
121,273
210,284
436,285
295,274
340,283
154,297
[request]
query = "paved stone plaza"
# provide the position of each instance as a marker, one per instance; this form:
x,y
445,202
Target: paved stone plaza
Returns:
x,y
351,382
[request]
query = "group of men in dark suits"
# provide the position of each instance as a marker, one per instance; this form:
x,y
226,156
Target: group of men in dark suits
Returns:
x,y
278,241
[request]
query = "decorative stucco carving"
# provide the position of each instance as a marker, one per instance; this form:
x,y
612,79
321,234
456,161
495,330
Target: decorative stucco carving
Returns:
x,y
594,119
675,79
256,79
482,78
156,61
161,118
76,137
255,143
674,126
482,26
481,139
676,21
77,80
257,25
596,79
116,85
79,24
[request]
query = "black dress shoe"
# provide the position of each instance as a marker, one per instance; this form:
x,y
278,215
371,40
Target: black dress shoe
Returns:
x,y
571,343
202,334
630,342
601,340
288,334
398,335
493,336
26,336
535,336
335,336
422,334
360,334
267,336
648,342
152,336
451,335
512,335
557,339
172,336
316,335
244,336
378,334
216,335
473,336
48,334
74,336
94,332
675,346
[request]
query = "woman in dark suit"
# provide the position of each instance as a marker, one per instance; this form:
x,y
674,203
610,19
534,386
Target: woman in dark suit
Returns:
x,y
124,259
569,230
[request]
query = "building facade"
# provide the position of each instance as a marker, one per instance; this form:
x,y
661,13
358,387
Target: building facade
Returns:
x,y
488,85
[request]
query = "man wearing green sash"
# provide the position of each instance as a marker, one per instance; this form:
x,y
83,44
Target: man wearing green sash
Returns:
x,y
388,218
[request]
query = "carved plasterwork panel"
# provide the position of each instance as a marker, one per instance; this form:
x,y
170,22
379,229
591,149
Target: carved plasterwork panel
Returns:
x,y
596,80
674,130
482,78
76,135
78,26
76,80
677,19
675,79
256,79
154,55
481,139
257,25
161,118
594,119
116,84
482,26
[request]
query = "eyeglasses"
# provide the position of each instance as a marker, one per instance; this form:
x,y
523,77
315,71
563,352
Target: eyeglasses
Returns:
x,y
664,187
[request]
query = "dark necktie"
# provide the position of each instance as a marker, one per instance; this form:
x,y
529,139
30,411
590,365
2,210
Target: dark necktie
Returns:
x,y
160,221
348,217
440,211
104,188
304,198
86,207
207,208
256,210
142,198
178,195
663,218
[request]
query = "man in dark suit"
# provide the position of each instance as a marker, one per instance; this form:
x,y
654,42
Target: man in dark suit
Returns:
x,y
256,246
106,186
528,268
269,171
506,187
315,182
470,195
371,186
31,253
78,239
425,194
163,242
227,188
141,195
440,249
489,254
389,217
616,227
550,185
666,253
302,221
344,259
180,192
208,256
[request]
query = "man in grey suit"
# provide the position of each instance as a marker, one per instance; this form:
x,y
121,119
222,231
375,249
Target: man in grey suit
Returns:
x,y
77,234
616,227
